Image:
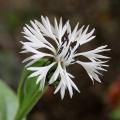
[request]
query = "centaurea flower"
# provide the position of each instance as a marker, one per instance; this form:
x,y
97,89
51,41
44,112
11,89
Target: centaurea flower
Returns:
x,y
63,52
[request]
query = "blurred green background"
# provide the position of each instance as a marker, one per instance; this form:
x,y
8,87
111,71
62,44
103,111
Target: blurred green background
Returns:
x,y
95,101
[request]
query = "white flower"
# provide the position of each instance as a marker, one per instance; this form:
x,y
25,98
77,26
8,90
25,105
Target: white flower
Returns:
x,y
62,44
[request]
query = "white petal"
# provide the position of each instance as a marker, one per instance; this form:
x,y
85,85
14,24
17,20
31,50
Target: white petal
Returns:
x,y
65,83
73,34
31,62
94,55
34,74
46,29
41,73
74,86
55,75
62,91
58,87
92,68
86,37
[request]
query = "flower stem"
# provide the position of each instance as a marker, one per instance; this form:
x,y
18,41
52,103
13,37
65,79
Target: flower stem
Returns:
x,y
29,105
28,94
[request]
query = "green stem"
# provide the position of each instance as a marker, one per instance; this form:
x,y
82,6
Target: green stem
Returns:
x,y
29,105
27,100
28,93
24,76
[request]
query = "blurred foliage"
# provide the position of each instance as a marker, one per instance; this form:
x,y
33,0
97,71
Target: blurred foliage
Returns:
x,y
8,102
115,115
10,68
113,99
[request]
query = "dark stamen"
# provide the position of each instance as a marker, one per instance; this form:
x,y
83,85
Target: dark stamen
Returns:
x,y
60,50
68,53
65,38
73,44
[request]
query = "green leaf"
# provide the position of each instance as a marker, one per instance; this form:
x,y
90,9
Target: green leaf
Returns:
x,y
28,93
8,102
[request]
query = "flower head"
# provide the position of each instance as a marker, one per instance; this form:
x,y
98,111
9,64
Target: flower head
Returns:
x,y
61,44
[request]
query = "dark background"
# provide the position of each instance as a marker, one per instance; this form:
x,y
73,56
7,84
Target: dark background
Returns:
x,y
104,15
